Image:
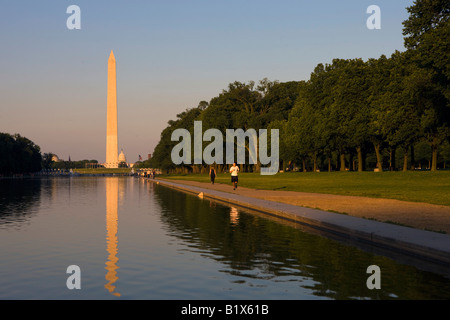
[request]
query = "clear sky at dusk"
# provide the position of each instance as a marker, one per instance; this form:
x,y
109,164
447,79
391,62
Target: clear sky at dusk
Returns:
x,y
170,56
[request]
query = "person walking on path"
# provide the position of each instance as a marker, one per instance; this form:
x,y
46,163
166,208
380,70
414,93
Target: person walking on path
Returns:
x,y
234,175
212,174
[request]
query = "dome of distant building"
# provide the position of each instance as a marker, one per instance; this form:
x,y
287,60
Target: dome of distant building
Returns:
x,y
122,157
55,158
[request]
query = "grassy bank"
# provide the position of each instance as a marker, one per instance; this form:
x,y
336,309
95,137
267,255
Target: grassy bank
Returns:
x,y
416,186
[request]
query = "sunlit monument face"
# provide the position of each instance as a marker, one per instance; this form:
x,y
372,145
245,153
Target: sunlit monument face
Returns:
x,y
112,160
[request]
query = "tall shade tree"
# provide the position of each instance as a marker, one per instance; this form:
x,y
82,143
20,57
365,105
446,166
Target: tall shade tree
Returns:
x,y
380,78
427,37
319,94
351,106
427,34
19,155
397,106
162,154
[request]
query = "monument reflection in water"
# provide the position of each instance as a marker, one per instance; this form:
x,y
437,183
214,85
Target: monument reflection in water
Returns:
x,y
112,206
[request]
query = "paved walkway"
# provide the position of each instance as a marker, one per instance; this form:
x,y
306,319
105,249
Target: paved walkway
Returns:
x,y
430,246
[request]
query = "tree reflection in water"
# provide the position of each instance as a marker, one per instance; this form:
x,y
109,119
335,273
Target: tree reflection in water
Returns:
x,y
256,249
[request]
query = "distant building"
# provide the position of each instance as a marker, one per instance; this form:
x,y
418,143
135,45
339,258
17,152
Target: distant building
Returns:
x,y
122,159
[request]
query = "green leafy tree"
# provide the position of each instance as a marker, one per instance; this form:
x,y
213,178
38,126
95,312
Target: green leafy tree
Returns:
x,y
162,154
19,155
398,109
303,129
47,160
350,107
427,34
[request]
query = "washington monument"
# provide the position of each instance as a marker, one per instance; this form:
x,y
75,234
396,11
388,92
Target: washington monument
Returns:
x,y
112,160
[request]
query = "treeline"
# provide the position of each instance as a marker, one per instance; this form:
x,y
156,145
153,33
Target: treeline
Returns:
x,y
48,163
18,155
142,164
351,114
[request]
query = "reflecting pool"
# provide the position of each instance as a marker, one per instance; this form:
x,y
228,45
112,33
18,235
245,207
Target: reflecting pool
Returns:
x,y
134,239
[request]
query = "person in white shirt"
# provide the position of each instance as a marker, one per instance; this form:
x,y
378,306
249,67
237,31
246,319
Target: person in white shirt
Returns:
x,y
234,175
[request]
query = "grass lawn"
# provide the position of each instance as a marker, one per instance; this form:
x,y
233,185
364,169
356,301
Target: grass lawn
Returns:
x,y
102,170
416,186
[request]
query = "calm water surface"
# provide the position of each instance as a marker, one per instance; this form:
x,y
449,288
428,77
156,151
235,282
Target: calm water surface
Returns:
x,y
133,239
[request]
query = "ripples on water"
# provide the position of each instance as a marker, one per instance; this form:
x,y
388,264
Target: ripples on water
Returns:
x,y
134,239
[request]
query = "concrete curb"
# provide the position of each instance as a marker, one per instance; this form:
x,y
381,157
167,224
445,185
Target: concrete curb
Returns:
x,y
431,246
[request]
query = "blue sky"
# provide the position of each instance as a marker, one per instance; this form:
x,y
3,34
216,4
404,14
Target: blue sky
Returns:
x,y
170,56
